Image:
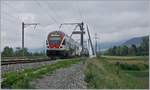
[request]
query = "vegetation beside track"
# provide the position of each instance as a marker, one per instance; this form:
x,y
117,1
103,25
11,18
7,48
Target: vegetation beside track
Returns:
x,y
100,73
12,53
125,57
20,80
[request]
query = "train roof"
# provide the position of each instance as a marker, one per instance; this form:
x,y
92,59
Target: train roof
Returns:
x,y
60,32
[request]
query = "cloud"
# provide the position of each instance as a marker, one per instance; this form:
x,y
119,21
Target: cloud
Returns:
x,y
123,35
111,20
26,17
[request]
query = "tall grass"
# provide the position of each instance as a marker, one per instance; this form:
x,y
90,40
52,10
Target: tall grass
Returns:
x,y
126,57
138,67
99,74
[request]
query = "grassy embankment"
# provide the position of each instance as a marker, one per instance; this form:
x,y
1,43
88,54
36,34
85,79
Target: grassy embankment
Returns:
x,y
117,72
21,79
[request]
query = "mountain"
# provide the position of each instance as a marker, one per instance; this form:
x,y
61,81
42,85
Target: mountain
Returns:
x,y
105,46
136,41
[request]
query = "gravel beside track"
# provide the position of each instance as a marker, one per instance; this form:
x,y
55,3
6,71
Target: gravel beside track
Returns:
x,y
18,67
64,78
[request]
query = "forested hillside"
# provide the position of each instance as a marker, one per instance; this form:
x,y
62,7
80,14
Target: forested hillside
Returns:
x,y
124,50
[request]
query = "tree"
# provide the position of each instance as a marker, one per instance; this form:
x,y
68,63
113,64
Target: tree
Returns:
x,y
145,46
7,52
118,51
114,50
125,50
19,52
39,54
109,52
132,50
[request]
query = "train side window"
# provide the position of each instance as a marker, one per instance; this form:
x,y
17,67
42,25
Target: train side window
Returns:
x,y
64,42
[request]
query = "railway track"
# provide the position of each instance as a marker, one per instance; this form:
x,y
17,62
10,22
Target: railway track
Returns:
x,y
20,61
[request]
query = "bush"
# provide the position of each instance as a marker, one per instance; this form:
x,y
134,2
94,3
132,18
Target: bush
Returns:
x,y
139,66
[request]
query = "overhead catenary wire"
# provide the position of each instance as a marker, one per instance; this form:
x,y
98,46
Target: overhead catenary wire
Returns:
x,y
52,9
12,7
75,10
49,15
79,11
10,20
80,14
10,15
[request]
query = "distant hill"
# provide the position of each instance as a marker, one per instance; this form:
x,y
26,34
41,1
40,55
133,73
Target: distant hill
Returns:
x,y
105,46
136,41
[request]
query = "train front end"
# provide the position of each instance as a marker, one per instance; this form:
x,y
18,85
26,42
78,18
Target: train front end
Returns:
x,y
55,44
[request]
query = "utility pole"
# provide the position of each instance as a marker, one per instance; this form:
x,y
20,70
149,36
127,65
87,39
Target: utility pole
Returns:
x,y
22,39
23,27
99,46
96,43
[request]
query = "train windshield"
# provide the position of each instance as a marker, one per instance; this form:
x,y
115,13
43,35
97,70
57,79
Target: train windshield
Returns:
x,y
55,40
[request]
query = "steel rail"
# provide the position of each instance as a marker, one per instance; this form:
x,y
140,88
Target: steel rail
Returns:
x,y
20,61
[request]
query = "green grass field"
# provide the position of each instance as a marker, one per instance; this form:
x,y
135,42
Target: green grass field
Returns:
x,y
101,73
126,57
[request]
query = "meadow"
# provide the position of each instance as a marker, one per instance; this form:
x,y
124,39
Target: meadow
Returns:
x,y
117,72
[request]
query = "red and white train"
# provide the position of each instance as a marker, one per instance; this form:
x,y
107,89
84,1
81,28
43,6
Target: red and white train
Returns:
x,y
61,45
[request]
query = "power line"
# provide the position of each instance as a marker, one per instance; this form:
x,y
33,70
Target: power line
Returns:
x,y
80,14
12,7
10,20
79,11
45,11
10,15
52,9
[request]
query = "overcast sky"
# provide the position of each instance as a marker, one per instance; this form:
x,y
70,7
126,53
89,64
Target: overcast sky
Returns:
x,y
112,20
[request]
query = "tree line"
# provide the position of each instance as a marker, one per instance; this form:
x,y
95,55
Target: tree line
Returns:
x,y
133,50
10,52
